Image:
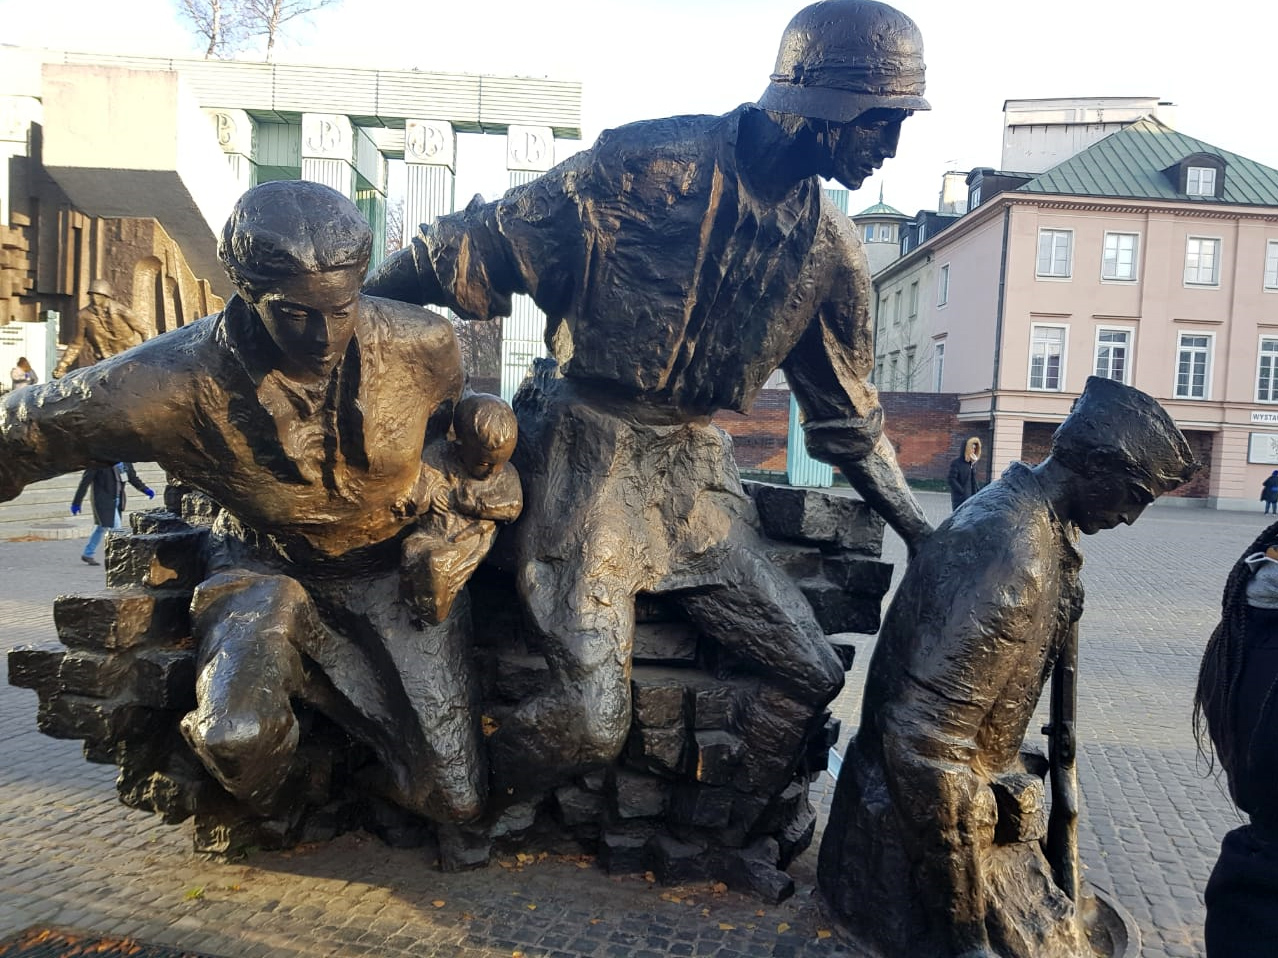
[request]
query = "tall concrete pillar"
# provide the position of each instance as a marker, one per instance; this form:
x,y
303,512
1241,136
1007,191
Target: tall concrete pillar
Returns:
x,y
530,151
237,136
1008,439
1228,489
430,161
328,151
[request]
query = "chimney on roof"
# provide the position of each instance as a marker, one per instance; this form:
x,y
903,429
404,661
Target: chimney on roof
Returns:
x,y
1039,134
953,199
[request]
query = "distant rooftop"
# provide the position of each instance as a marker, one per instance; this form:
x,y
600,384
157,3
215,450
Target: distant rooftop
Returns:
x,y
880,209
1132,162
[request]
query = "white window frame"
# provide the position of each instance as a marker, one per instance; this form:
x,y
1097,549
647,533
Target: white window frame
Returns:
x,y
897,316
1135,264
1206,177
893,361
1272,371
1055,234
1064,343
913,301
1215,272
870,231
1128,347
943,286
1271,265
938,361
1210,350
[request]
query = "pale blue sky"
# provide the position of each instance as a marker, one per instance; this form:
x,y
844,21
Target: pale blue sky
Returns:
x,y
647,58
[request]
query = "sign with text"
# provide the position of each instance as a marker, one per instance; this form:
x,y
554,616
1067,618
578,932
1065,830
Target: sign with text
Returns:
x,y
36,341
1268,417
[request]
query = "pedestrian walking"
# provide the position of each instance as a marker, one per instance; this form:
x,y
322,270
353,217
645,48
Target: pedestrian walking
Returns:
x,y
962,478
1269,493
108,501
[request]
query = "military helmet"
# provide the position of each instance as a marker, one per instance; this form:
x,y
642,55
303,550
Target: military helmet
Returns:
x,y
101,286
840,58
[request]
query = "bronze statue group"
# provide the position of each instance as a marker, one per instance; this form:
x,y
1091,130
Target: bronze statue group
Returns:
x,y
679,262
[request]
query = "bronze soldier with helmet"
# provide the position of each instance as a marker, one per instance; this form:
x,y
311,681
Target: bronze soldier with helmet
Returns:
x,y
680,262
107,327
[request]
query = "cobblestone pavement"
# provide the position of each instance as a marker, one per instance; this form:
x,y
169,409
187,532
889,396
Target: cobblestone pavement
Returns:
x,y
73,857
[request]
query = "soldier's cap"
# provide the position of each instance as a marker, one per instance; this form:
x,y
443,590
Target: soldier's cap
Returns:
x,y
1113,428
289,227
840,58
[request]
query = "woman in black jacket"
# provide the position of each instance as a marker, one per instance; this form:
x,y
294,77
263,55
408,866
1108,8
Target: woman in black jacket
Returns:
x,y
108,500
962,477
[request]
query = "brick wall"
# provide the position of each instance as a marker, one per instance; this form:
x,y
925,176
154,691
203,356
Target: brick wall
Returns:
x,y
1198,487
1036,441
759,437
923,428
926,432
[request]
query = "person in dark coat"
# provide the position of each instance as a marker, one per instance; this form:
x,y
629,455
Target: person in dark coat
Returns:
x,y
108,500
1236,720
1269,493
962,478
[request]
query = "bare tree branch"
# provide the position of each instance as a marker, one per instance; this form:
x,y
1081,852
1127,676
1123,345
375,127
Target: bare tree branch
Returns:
x,y
220,22
267,17
480,344
394,225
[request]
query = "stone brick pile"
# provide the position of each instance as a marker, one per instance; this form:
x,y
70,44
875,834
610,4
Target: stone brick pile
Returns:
x,y
678,802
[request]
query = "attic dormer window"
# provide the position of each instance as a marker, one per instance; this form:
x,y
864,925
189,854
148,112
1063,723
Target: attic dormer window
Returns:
x,y
1200,181
1201,175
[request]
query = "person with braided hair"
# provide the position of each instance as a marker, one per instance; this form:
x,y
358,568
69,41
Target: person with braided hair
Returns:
x,y
1236,717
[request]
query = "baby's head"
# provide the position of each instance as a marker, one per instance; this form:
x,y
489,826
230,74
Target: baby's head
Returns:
x,y
486,433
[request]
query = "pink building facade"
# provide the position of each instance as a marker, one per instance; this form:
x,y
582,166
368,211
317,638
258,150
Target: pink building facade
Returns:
x,y
1149,257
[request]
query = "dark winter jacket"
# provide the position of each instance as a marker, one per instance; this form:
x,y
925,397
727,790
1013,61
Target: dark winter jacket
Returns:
x,y
108,490
962,477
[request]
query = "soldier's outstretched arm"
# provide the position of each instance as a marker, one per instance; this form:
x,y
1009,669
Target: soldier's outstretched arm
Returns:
x,y
474,261
460,261
828,372
114,411
70,354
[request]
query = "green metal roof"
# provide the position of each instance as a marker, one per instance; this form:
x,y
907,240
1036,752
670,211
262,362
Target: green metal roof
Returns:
x,y
1131,163
880,209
